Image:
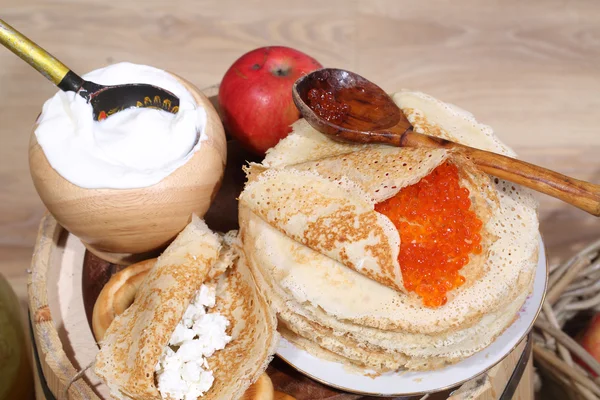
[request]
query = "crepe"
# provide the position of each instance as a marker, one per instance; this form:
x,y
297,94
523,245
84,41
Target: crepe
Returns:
x,y
135,340
328,205
328,261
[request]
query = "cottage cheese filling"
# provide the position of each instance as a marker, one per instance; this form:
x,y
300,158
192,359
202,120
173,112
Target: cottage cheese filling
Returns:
x,y
183,371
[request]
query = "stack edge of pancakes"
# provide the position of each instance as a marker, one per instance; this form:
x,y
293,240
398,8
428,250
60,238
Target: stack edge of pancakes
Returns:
x,y
330,264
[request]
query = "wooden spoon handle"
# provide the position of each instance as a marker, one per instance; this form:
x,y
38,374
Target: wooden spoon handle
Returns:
x,y
583,195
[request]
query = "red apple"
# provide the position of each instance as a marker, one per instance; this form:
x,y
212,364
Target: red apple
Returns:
x,y
256,95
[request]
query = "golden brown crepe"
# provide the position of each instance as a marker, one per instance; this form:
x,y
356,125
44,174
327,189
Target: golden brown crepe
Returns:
x,y
136,339
328,205
119,293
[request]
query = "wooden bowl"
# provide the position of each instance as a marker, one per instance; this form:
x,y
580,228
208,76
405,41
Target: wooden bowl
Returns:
x,y
127,225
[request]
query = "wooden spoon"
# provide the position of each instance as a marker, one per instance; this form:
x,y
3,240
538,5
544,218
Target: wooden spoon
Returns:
x,y
348,107
105,100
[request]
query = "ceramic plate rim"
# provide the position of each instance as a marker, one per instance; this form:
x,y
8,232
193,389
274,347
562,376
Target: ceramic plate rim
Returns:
x,y
289,350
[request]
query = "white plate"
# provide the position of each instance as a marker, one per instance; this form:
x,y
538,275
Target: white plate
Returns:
x,y
414,383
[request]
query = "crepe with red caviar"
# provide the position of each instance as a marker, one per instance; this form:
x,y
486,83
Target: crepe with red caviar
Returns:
x,y
330,206
301,232
136,339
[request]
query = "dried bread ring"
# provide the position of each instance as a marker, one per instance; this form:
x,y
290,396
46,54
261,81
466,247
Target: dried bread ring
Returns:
x,y
282,396
262,389
117,295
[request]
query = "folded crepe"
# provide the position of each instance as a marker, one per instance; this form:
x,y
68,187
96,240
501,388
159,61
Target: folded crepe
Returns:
x,y
136,339
329,262
328,205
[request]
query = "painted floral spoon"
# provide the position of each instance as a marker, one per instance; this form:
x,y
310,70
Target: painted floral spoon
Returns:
x,y
105,100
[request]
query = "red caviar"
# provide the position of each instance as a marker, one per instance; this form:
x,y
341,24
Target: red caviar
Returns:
x,y
326,106
438,231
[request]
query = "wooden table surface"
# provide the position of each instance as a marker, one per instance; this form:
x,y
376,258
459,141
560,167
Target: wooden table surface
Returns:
x,y
528,69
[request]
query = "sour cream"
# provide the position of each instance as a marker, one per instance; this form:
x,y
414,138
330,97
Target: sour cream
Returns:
x,y
134,148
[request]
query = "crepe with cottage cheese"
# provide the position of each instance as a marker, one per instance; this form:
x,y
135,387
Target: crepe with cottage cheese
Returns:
x,y
136,345
321,267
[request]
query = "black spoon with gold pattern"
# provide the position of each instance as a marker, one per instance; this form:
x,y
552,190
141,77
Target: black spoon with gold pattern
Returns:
x,y
105,100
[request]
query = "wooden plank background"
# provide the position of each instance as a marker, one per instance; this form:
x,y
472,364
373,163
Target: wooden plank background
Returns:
x,y
529,69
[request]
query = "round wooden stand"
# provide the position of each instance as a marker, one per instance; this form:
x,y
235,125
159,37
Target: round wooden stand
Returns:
x,y
64,278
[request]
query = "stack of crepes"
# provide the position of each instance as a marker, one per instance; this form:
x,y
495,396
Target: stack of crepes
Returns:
x,y
329,262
